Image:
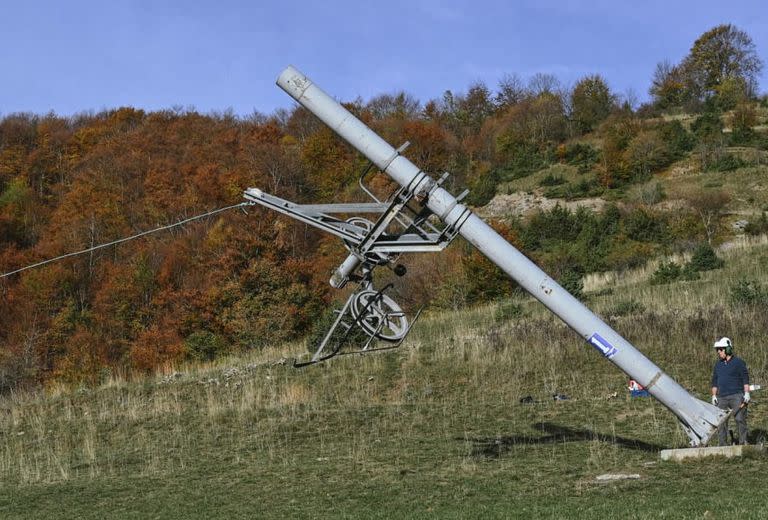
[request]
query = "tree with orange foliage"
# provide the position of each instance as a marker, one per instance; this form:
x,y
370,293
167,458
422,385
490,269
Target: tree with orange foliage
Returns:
x,y
158,346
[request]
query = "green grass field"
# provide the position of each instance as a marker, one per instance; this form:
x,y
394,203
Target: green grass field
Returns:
x,y
435,429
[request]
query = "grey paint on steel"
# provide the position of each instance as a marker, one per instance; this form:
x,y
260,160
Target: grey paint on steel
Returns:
x,y
698,418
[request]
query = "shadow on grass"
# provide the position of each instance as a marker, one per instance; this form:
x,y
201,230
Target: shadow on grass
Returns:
x,y
758,436
494,447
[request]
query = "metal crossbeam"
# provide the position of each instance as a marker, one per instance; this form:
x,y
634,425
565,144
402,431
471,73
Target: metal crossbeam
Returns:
x,y
375,240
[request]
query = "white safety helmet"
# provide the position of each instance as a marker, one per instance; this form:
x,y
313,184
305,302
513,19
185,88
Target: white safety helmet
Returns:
x,y
726,344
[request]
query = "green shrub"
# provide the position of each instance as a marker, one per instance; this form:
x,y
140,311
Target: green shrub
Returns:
x,y
572,282
748,292
557,224
552,180
644,225
16,192
677,138
744,137
757,227
688,273
705,259
524,159
667,272
204,345
626,307
726,163
483,188
580,189
508,310
582,156
707,125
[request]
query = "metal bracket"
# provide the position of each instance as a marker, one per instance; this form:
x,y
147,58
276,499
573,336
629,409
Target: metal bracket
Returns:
x,y
413,239
370,165
402,226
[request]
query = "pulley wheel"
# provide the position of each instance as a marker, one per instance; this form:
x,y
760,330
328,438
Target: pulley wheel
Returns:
x,y
379,315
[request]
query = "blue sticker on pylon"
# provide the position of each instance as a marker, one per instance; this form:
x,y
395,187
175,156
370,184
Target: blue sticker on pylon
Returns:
x,y
601,344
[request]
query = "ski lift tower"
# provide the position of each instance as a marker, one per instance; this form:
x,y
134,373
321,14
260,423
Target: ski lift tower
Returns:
x,y
698,419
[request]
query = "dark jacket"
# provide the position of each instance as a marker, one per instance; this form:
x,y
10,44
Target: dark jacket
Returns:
x,y
730,376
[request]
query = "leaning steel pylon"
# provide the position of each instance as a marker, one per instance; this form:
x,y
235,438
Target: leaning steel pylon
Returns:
x,y
370,245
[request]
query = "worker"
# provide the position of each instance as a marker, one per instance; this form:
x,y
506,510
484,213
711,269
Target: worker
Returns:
x,y
730,388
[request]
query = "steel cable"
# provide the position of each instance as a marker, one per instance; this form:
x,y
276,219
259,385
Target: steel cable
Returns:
x,y
126,239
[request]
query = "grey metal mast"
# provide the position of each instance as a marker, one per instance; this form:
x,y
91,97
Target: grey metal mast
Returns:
x,y
698,418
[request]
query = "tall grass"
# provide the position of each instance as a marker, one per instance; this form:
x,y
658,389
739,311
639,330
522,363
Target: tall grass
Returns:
x,y
422,421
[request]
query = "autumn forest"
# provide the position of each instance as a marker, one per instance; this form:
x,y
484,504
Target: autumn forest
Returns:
x,y
245,278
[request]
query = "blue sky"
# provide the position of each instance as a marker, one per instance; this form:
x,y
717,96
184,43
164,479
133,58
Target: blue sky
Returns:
x,y
76,56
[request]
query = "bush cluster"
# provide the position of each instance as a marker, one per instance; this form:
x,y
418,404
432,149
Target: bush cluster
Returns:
x,y
571,281
703,259
626,307
726,163
582,156
574,190
552,180
508,310
759,226
669,272
569,244
524,160
749,293
483,188
678,140
205,345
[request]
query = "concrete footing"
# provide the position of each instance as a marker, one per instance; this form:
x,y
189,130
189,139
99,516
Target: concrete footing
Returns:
x,y
698,453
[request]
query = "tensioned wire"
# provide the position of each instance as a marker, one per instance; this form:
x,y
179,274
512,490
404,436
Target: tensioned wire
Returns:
x,y
126,239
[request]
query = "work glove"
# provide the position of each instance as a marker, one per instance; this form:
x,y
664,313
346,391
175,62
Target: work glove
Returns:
x,y
714,400
746,397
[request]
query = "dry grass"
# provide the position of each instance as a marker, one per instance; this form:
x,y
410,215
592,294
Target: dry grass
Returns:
x,y
423,421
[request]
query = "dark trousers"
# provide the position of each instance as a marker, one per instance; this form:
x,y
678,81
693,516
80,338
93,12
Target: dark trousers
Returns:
x,y
732,402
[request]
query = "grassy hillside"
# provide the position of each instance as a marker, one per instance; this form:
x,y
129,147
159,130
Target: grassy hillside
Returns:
x,y
435,429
